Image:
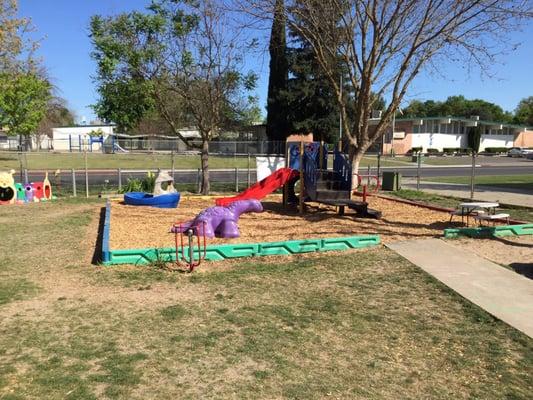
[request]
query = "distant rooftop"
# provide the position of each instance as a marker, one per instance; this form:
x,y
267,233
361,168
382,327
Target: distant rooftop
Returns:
x,y
471,119
86,126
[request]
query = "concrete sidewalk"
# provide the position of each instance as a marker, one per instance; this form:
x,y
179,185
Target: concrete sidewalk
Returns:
x,y
499,291
513,197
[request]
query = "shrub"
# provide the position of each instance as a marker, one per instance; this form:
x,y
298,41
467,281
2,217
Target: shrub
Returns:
x,y
433,151
495,150
145,184
415,150
451,150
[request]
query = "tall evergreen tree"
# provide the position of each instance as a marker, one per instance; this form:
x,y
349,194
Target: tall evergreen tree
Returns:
x,y
309,96
276,127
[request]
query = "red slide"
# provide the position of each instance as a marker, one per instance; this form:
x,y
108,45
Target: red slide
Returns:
x,y
263,187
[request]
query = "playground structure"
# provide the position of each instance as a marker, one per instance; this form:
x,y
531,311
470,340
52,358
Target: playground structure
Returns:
x,y
280,232
305,162
82,143
17,193
161,198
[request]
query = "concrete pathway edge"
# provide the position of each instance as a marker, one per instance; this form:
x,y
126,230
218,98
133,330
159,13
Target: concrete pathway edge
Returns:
x,y
504,294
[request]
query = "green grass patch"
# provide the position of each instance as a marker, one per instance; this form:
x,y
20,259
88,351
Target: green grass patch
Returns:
x,y
54,161
518,213
17,289
519,182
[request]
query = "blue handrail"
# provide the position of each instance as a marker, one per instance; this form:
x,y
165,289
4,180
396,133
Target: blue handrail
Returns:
x,y
342,166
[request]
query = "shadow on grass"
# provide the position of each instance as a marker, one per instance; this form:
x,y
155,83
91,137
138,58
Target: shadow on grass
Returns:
x,y
97,255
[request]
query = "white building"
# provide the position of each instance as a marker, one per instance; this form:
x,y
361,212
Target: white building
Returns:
x,y
441,133
78,138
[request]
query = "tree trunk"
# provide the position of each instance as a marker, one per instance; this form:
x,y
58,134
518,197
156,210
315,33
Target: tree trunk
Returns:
x,y
356,155
205,167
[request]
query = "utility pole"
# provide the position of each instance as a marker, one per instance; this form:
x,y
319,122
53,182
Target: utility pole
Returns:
x,y
340,112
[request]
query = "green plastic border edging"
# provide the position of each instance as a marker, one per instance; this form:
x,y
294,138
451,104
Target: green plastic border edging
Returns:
x,y
106,255
226,251
488,231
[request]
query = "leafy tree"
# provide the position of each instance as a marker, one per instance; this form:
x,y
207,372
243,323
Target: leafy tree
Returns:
x,y
16,49
524,112
124,101
23,103
309,97
181,58
57,114
457,106
277,118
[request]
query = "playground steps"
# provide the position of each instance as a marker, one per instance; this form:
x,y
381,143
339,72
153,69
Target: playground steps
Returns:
x,y
360,207
329,187
329,191
328,194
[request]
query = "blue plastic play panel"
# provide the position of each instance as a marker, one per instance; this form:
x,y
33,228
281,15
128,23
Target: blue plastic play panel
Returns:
x,y
169,200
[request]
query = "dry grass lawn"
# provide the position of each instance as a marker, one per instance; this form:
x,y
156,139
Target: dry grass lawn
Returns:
x,y
358,325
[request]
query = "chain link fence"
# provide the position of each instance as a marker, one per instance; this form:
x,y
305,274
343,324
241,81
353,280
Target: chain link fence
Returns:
x,y
112,144
93,172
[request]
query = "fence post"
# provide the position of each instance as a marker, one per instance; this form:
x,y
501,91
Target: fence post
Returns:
x,y
418,163
198,180
379,164
172,163
249,172
74,193
119,179
302,178
21,166
236,179
473,175
86,175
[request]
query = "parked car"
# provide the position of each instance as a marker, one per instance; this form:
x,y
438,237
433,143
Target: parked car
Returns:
x,y
519,152
529,156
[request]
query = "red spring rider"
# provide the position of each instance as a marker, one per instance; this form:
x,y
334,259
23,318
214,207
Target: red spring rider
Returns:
x,y
187,255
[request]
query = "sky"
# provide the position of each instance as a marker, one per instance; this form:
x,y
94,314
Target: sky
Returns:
x,y
63,26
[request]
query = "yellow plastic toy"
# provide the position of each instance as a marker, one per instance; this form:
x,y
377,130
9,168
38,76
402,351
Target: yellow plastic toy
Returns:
x,y
47,188
8,193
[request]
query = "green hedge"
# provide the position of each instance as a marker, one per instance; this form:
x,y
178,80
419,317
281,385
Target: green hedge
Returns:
x,y
433,151
415,150
451,150
494,150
